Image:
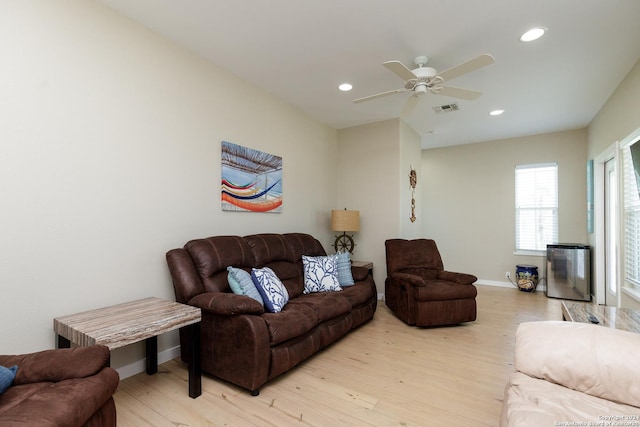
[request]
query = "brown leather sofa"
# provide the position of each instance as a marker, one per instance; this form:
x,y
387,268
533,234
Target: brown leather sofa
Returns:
x,y
419,290
64,387
240,342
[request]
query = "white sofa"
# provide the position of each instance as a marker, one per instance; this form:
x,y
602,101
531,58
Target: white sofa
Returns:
x,y
573,374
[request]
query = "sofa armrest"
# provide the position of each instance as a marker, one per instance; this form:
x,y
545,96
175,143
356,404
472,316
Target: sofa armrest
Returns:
x,y
460,278
410,279
592,359
58,365
359,273
226,304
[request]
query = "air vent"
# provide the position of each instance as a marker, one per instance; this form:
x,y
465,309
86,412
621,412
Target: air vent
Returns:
x,y
448,108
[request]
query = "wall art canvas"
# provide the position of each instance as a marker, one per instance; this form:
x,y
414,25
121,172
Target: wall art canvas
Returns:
x,y
251,180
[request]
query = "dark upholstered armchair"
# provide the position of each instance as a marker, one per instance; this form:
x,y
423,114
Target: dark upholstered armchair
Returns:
x,y
64,387
418,289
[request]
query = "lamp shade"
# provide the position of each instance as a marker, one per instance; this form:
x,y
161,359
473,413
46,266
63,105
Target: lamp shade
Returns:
x,y
344,220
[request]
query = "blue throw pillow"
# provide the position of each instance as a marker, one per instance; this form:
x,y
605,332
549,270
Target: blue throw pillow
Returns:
x,y
241,283
7,376
320,274
271,289
345,278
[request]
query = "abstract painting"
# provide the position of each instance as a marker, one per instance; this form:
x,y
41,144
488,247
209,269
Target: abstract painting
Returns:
x,y
251,180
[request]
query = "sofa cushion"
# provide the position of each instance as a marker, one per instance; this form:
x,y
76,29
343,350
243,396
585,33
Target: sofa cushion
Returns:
x,y
418,253
272,291
442,290
211,257
293,321
17,394
275,252
423,273
6,377
320,274
588,358
531,401
268,248
241,283
358,294
70,402
326,305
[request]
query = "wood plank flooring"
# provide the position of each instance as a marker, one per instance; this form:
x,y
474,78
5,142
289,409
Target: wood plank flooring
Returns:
x,y
382,374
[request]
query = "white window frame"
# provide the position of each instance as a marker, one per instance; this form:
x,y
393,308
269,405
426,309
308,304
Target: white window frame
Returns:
x,y
630,207
539,248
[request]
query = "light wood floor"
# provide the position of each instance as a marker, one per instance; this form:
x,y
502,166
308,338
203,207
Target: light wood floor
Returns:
x,y
382,374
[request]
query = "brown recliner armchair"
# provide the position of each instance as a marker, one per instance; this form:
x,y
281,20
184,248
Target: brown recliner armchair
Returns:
x,y
418,289
64,387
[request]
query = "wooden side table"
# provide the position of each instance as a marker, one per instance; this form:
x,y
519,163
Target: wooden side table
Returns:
x,y
366,264
131,322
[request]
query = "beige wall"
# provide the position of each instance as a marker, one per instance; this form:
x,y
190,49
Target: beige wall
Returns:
x,y
468,199
373,177
619,117
410,156
368,181
110,142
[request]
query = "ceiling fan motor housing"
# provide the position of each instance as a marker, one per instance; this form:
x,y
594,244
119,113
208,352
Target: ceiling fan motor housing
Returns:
x,y
425,73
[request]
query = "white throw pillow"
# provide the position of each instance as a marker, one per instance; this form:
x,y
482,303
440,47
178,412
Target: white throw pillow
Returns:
x,y
320,274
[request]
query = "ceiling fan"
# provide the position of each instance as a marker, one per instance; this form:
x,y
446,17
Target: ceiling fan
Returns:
x,y
422,79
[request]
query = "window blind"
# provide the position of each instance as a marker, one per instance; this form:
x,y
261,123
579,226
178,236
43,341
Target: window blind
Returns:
x,y
631,202
536,206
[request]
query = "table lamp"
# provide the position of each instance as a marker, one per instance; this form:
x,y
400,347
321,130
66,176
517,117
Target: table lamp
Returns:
x,y
344,220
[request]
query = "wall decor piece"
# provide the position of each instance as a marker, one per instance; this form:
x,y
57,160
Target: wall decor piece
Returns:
x,y
413,181
251,180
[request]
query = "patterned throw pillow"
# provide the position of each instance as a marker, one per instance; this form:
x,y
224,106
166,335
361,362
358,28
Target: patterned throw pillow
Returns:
x,y
320,274
7,376
241,283
271,289
345,278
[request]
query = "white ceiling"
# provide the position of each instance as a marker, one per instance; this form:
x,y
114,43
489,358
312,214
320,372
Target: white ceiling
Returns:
x,y
300,50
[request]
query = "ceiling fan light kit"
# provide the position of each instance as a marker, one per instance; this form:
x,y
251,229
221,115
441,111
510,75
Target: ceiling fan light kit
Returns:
x,y
423,79
533,34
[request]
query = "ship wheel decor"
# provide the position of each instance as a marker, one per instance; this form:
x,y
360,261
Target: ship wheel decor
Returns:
x,y
413,180
344,220
344,243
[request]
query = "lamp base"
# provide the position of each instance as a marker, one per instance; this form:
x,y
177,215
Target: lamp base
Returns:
x,y
344,243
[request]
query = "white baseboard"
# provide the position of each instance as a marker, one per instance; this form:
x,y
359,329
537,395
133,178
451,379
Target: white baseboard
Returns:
x,y
139,366
495,283
539,288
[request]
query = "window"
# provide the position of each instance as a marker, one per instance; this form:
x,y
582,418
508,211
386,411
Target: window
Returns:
x,y
631,203
536,206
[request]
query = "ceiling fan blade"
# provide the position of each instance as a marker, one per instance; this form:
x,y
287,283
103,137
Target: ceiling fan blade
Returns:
x,y
411,103
400,69
456,92
380,95
466,67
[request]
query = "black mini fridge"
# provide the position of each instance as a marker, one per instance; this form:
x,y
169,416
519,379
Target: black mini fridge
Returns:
x,y
568,271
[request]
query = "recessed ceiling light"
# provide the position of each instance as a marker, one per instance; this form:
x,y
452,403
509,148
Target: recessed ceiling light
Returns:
x,y
533,34
496,112
345,87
